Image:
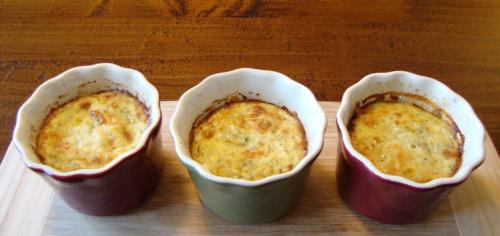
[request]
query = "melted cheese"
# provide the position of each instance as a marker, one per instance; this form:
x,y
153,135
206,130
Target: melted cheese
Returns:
x,y
405,140
91,131
249,140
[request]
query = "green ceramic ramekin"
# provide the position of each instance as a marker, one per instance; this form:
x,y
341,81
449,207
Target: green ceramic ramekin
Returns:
x,y
238,200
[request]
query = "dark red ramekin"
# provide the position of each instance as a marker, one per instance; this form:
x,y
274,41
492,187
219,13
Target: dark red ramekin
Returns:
x,y
393,199
122,184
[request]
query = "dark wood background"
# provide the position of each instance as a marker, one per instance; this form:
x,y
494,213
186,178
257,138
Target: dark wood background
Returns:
x,y
326,45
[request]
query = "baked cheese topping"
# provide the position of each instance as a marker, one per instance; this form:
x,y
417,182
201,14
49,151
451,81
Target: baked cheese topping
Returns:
x,y
91,131
405,140
249,140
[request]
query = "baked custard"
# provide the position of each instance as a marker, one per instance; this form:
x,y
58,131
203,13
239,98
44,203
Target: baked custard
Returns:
x,y
91,131
402,139
249,140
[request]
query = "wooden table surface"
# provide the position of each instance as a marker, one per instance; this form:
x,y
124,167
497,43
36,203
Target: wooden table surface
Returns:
x,y
326,45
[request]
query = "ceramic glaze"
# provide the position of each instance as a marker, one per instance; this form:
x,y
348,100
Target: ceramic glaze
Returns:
x,y
116,187
395,199
240,200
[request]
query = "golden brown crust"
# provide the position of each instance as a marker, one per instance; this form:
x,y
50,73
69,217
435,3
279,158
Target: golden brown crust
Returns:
x,y
247,139
90,131
403,139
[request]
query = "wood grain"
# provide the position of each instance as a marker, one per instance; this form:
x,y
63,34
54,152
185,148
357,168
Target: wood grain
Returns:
x,y
25,198
479,194
326,45
175,208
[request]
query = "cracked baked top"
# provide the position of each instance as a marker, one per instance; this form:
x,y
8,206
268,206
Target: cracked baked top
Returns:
x,y
91,131
405,140
249,140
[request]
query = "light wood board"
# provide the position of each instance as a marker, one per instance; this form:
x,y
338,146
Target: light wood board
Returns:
x,y
29,207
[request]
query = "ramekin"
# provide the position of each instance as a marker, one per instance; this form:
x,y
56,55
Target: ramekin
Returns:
x,y
240,200
394,199
122,184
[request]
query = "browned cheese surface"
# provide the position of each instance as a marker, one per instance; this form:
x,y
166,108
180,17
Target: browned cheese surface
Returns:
x,y
91,131
249,140
405,140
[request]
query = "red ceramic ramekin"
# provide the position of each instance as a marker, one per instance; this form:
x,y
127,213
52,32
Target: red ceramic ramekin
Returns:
x,y
394,199
122,184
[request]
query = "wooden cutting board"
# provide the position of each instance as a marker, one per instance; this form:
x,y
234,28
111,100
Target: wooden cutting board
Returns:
x,y
29,207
